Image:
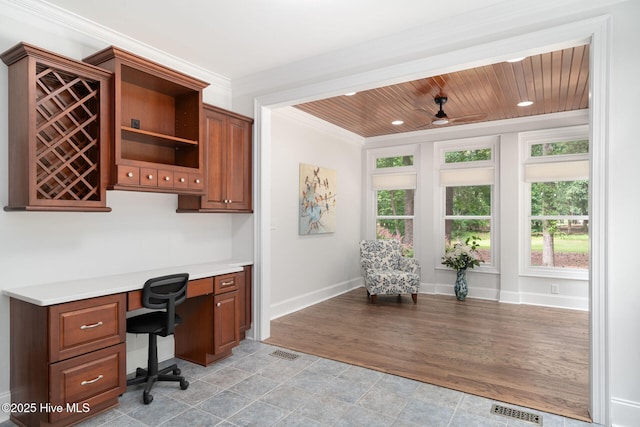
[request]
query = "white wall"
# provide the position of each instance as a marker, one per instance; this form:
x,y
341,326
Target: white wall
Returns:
x,y
624,154
307,269
143,231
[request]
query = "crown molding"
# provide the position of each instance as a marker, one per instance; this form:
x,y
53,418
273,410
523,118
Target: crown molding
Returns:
x,y
81,28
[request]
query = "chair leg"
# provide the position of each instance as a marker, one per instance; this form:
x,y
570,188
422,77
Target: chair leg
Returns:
x,y
374,298
415,298
152,374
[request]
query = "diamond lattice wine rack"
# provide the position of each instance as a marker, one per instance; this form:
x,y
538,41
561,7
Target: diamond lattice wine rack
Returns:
x,y
59,123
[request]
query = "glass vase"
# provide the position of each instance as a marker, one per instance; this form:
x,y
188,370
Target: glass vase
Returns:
x,y
461,284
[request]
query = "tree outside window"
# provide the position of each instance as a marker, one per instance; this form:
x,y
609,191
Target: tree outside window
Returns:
x,y
560,224
395,208
395,218
467,177
467,215
559,205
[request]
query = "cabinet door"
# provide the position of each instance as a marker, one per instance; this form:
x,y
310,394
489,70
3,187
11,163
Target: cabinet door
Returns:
x,y
215,137
238,185
225,322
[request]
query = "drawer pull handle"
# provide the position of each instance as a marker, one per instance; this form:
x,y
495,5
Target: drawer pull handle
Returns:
x,y
149,176
95,325
218,305
98,378
229,283
181,179
197,181
130,174
166,178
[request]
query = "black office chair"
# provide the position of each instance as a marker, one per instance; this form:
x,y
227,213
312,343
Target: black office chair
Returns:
x,y
159,293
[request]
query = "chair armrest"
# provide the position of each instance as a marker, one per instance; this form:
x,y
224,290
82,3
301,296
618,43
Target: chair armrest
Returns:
x,y
410,265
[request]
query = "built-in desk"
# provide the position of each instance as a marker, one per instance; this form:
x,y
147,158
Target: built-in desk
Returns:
x,y
68,339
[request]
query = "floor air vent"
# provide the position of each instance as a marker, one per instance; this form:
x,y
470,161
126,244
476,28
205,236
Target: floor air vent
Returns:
x,y
284,355
517,414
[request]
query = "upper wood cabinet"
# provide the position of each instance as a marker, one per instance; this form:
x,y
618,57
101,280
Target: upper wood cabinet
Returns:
x,y
59,128
228,139
157,116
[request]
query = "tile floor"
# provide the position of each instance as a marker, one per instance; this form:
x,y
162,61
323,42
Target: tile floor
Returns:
x,y
255,388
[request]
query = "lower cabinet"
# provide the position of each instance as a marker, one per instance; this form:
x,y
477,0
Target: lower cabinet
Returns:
x,y
214,321
225,323
68,361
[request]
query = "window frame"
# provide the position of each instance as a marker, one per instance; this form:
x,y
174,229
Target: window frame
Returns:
x,y
371,201
527,140
441,148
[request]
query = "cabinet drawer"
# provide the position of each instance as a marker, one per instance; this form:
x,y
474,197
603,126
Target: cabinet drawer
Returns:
x,y
148,177
181,180
225,283
165,178
82,326
128,175
87,380
200,287
196,182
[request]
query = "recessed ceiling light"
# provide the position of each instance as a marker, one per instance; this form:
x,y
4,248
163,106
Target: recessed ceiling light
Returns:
x,y
525,103
516,59
350,93
397,122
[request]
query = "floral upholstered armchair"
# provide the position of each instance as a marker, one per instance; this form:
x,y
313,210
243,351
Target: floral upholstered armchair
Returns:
x,y
386,271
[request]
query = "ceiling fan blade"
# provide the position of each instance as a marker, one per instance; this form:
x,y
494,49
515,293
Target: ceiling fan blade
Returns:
x,y
468,119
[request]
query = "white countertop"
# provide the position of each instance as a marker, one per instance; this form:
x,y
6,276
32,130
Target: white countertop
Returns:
x,y
74,290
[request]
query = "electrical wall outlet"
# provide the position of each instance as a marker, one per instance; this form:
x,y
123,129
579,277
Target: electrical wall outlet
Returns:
x,y
555,288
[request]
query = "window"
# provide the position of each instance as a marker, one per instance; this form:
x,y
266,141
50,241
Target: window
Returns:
x,y
394,162
556,179
393,181
467,215
467,155
467,176
394,219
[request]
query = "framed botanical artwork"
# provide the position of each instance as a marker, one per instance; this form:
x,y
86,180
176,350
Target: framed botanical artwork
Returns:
x,y
317,200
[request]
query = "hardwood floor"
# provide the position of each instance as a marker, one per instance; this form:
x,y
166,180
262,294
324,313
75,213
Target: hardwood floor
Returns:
x,y
532,356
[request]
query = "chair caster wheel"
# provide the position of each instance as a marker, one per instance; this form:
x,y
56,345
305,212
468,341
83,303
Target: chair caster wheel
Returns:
x,y
177,371
147,398
184,384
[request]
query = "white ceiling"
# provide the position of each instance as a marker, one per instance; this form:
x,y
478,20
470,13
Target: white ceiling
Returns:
x,y
236,38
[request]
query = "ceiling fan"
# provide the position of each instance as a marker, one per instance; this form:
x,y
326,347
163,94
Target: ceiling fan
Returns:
x,y
441,118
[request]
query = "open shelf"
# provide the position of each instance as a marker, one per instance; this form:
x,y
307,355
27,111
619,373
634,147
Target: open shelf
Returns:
x,y
157,118
154,137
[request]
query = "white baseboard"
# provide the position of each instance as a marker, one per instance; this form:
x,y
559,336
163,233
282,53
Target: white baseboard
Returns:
x,y
447,289
298,303
624,413
556,301
510,297
546,300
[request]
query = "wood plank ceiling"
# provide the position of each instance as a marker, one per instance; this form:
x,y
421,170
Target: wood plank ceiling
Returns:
x,y
555,82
